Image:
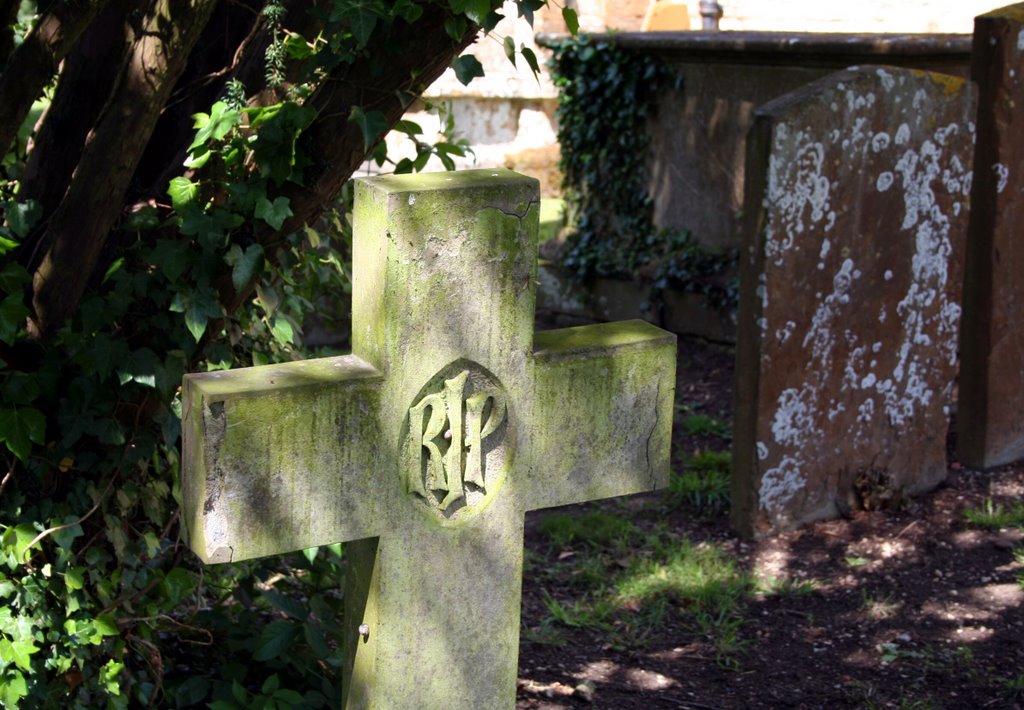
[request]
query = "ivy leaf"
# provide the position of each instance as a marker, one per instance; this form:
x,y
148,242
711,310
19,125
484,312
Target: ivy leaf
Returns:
x,y
372,124
17,538
143,219
20,388
170,257
283,331
141,367
176,585
477,10
244,265
12,689
105,625
510,49
18,651
572,21
183,193
276,212
467,67
22,216
19,427
202,306
192,692
491,20
5,246
531,59
528,7
13,277
12,317
215,126
109,676
361,23
66,536
269,298
275,639
74,578
407,10
297,46
198,158
455,27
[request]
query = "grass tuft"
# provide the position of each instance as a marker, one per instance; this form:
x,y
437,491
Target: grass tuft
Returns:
x,y
995,516
704,483
704,425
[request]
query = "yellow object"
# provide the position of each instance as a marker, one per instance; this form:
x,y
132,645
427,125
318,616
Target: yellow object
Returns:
x,y
666,15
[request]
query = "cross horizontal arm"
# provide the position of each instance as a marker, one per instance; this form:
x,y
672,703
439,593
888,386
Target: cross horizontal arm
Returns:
x,y
281,458
602,412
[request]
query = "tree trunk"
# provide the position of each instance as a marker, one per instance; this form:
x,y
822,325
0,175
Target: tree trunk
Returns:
x,y
82,89
8,16
35,61
81,224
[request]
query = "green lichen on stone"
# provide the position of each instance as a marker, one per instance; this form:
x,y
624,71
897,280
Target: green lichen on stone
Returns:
x,y
273,438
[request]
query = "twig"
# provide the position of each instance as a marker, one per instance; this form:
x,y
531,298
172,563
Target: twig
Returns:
x,y
57,528
906,529
182,94
167,528
165,617
7,479
795,613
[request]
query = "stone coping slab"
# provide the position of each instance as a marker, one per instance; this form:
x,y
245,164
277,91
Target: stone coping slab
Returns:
x,y
837,50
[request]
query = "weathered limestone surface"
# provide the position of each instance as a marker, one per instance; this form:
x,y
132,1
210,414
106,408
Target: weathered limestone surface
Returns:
x,y
855,222
424,448
990,415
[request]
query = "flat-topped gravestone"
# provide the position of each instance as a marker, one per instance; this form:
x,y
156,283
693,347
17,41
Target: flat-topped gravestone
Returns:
x,y
990,425
855,219
425,447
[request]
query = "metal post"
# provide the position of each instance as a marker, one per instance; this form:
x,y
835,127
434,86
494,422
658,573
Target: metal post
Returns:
x,y
711,13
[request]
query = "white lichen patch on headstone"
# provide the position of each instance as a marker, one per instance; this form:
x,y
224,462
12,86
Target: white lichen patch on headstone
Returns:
x,y
780,484
798,190
1002,176
819,337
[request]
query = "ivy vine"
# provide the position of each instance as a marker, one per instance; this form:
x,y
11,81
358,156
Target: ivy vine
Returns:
x,y
607,96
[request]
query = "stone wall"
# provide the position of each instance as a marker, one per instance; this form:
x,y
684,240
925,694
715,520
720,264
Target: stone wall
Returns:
x,y
863,16
508,116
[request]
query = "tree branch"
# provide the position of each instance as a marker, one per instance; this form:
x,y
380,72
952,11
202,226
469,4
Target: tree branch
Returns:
x,y
337,142
81,224
374,82
35,61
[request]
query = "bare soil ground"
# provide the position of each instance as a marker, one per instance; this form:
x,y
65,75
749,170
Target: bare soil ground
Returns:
x,y
908,608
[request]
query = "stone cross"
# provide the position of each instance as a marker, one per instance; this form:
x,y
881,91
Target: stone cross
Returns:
x,y
856,199
425,447
990,428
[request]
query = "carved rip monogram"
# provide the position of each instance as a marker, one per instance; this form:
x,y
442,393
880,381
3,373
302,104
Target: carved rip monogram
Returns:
x,y
455,431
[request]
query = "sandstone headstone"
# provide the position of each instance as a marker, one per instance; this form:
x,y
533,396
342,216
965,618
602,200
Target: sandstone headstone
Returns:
x,y
425,447
990,413
855,220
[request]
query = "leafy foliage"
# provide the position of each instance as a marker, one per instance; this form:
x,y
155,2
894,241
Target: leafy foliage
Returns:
x,y
100,603
607,96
